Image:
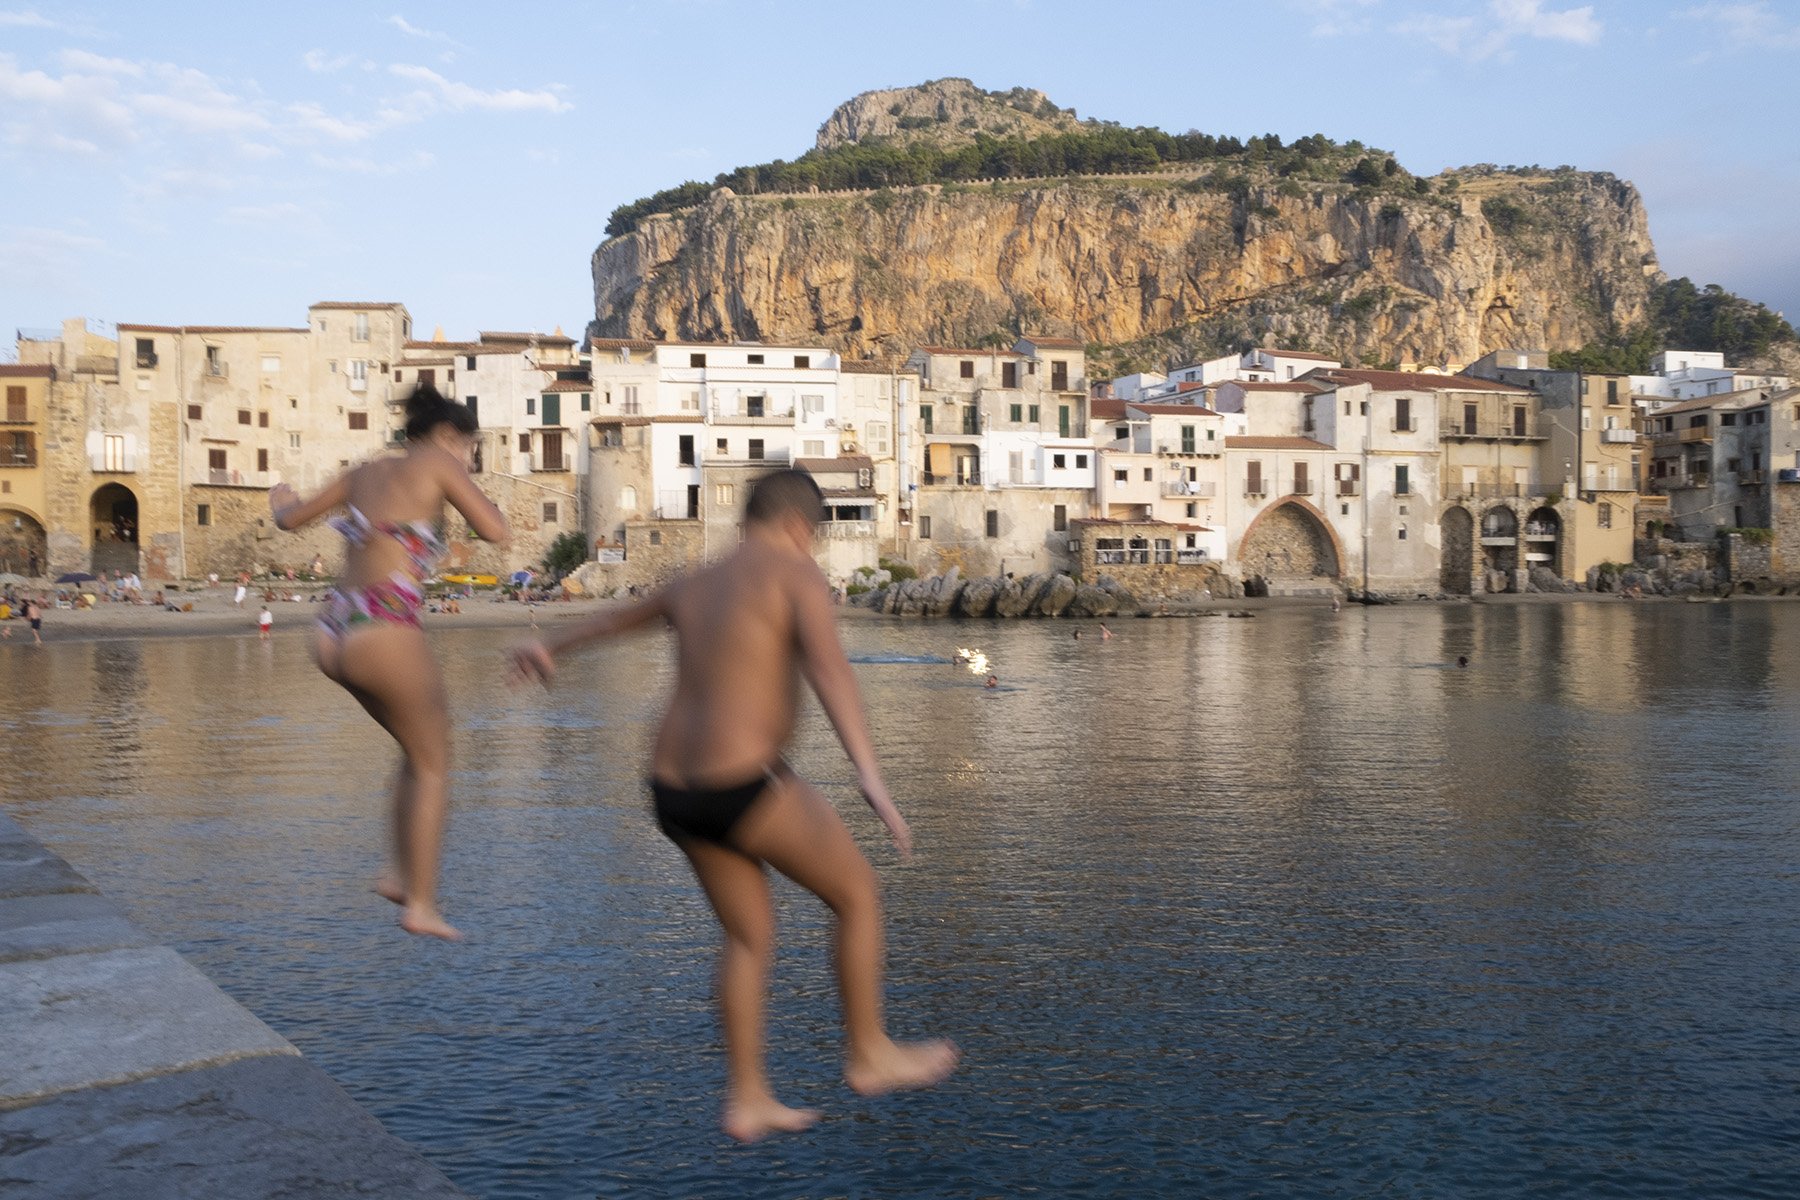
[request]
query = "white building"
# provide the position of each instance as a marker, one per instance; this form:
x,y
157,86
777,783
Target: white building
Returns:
x,y
1690,374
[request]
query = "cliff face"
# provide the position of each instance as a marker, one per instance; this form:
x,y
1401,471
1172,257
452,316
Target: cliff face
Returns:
x,y
943,111
1153,266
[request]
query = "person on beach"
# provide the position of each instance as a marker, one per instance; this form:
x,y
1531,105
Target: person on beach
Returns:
x,y
748,629
265,620
243,579
34,616
370,640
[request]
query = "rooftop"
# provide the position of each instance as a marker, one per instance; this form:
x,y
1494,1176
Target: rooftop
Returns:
x,y
1274,443
1404,381
1273,353
355,304
846,462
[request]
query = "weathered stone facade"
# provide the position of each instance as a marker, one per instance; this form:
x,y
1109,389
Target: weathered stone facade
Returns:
x,y
1025,537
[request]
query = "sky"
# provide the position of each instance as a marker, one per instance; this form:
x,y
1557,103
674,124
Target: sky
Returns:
x,y
182,163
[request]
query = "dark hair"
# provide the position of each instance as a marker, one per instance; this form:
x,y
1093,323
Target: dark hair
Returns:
x,y
427,408
781,492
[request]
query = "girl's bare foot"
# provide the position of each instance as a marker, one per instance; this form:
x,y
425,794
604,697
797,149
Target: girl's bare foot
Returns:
x,y
427,922
901,1066
389,889
752,1120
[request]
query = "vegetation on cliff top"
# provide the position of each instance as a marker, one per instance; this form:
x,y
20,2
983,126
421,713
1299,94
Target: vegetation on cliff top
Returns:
x,y
1691,318
1101,150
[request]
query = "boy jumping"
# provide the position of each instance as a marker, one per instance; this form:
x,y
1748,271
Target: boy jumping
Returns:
x,y
747,629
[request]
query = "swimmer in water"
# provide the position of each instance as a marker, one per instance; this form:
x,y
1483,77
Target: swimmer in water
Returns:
x,y
993,681
1462,660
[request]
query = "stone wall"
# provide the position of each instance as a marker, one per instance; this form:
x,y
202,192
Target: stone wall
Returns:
x,y
655,552
1744,561
1026,541
1784,556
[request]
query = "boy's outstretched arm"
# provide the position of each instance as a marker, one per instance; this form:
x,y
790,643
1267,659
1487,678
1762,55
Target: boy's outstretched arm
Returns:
x,y
827,668
537,660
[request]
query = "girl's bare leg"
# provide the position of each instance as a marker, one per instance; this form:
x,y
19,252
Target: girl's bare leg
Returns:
x,y
795,830
390,670
739,893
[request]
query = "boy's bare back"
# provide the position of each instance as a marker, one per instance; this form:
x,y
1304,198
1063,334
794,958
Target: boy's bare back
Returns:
x,y
741,625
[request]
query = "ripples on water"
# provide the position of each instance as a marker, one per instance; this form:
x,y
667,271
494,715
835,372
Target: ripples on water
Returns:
x,y
1278,907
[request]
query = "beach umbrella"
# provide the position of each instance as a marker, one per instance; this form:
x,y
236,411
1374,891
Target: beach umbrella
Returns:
x,y
75,577
521,578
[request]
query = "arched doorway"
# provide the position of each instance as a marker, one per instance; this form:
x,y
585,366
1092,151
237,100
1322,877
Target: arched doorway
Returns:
x,y
24,550
1289,545
113,513
1500,545
1457,568
1543,539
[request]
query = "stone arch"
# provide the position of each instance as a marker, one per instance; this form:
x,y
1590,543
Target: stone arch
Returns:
x,y
1543,535
24,544
1456,571
113,516
1500,544
1293,540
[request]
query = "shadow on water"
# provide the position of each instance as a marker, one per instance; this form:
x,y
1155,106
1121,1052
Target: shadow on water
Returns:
x,y
1292,906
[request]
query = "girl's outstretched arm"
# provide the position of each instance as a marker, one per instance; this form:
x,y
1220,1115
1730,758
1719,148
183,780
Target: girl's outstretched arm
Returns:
x,y
291,512
537,660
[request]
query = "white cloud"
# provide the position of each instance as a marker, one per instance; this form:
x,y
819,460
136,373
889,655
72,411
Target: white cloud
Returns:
x,y
1749,25
313,118
440,93
325,64
1505,21
26,20
1337,18
410,30
418,160
99,64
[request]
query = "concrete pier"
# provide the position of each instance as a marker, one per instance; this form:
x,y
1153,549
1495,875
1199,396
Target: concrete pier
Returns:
x,y
126,1072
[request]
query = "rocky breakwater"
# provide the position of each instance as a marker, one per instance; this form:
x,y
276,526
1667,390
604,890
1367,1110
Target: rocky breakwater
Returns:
x,y
1045,594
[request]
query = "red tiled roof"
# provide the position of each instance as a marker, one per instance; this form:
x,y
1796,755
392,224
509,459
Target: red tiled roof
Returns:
x,y
1053,343
600,343
1402,381
28,370
1107,410
568,385
1274,443
949,350
1747,395
1297,354
874,366
847,462
1171,410
1190,385
213,329
487,336
1264,385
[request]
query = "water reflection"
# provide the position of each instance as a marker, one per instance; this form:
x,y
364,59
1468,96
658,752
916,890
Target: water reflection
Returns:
x,y
1290,905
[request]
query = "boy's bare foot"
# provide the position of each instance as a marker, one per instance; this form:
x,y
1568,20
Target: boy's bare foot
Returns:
x,y
427,922
752,1120
389,889
901,1066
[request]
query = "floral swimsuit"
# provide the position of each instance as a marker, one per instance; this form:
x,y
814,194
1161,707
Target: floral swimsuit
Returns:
x,y
398,598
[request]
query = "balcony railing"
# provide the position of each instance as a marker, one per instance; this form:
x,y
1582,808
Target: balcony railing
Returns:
x,y
218,370
1205,449
1302,487
1194,488
1191,557
1256,488
768,458
220,477
1674,437
731,416
1618,437
1679,481
1749,478
1504,491
954,479
14,457
147,361
1349,487
359,384
1492,431
847,530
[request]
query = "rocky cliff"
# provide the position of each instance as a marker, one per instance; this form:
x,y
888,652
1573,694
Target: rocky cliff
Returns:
x,y
1187,261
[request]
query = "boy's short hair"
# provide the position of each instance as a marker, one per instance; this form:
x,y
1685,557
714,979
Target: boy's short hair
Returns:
x,y
781,492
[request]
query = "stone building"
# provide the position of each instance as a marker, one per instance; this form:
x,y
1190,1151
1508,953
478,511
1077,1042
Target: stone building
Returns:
x,y
24,548
1713,458
998,436
1163,463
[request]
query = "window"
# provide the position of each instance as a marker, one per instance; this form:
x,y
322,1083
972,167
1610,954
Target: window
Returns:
x,y
925,417
966,369
756,360
361,331
812,406
1059,376
531,406
753,405
1603,516
1302,484
359,420
1346,408
146,353
878,436
1164,550
262,419
1403,414
293,441
1031,413
1518,421
1120,475
585,404
1187,439
262,460
684,451
114,450
1400,534
971,422
193,412
756,449
243,416
1009,376
813,449
1081,462
1059,518
630,401
524,443
1587,419
1018,413
397,374
1253,484
628,497
1365,409
1728,418
203,514
696,360
215,460
993,522
271,363
1612,391
725,495
550,453
925,529
16,409
1402,481
473,403
1058,461
689,402
469,362
215,365
802,362
656,537
1149,475
722,446
549,512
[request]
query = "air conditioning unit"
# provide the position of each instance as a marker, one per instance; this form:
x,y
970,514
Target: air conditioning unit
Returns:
x,y
831,422
1788,475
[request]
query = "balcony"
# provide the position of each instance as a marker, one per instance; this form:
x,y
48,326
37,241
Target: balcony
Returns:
x,y
1618,437
1201,449
768,458
1504,491
1349,487
1302,487
1750,478
359,384
1256,488
217,370
759,416
1677,437
18,414
549,464
220,477
1191,489
1490,431
847,530
1190,558
16,456
1679,481
146,361
956,479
